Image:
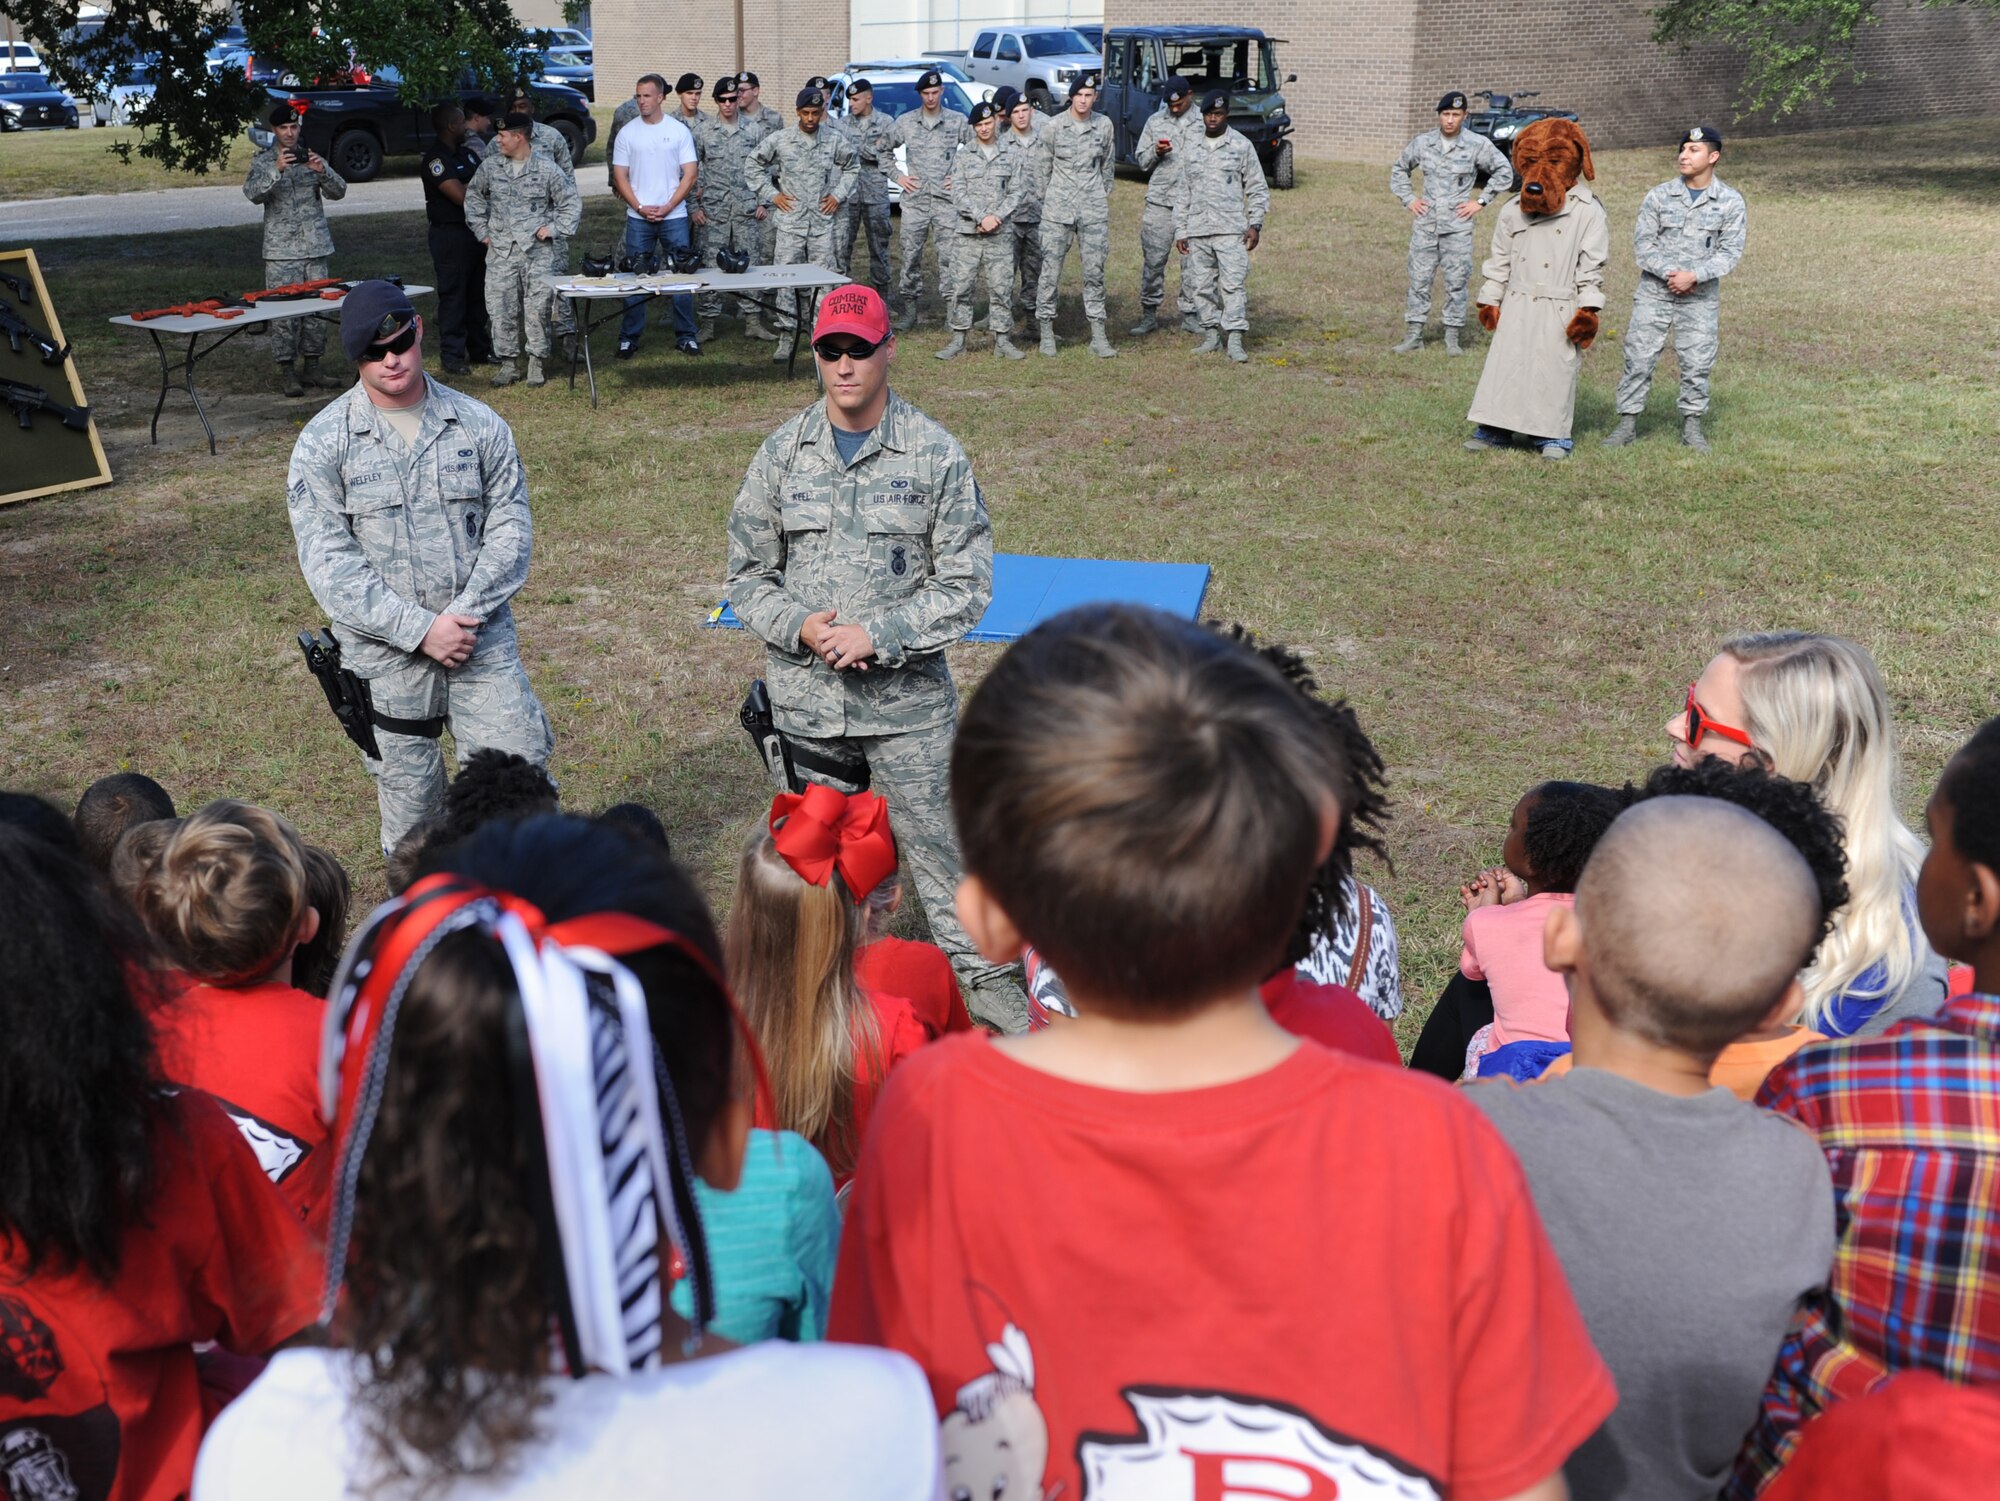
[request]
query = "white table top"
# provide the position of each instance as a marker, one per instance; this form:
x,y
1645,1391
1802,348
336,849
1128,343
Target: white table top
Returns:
x,y
267,312
756,279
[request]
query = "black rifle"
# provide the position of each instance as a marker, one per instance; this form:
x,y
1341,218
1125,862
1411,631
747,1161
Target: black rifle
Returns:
x,y
17,328
28,400
21,287
348,696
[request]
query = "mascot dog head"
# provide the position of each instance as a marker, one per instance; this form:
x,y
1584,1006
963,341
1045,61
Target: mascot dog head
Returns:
x,y
1549,157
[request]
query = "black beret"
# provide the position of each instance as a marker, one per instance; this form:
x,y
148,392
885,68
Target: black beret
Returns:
x,y
1215,99
689,82
282,114
809,98
1083,81
748,79
1177,88
1708,135
932,79
818,81
515,120
725,86
1453,100
373,311
985,109
1006,97
478,104
860,86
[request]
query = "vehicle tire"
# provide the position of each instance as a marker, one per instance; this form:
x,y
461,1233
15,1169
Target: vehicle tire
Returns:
x,y
1043,101
357,156
1281,166
572,135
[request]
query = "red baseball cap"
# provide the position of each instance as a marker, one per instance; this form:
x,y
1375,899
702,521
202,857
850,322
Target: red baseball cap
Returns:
x,y
852,309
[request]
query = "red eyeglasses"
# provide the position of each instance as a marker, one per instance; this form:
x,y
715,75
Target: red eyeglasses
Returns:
x,y
1700,724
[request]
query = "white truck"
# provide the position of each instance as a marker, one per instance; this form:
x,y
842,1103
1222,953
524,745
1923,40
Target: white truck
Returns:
x,y
1039,61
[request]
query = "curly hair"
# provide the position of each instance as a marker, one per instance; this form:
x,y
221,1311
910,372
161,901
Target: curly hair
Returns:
x,y
1364,804
80,1097
1792,808
1565,821
493,785
447,1312
1971,784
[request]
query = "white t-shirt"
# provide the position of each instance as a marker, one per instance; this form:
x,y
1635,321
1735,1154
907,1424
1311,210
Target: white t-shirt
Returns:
x,y
776,1419
653,156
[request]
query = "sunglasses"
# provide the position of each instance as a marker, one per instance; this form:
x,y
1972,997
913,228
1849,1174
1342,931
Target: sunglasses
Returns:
x,y
401,344
1699,724
845,347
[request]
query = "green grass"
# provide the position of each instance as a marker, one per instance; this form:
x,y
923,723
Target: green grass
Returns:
x,y
1496,620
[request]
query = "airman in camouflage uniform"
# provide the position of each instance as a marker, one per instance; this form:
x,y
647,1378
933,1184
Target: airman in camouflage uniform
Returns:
x,y
1078,159
794,173
1218,219
929,136
768,122
1690,234
392,536
688,111
1451,159
1179,124
621,117
519,202
1023,133
985,190
735,216
296,241
549,142
897,541
874,137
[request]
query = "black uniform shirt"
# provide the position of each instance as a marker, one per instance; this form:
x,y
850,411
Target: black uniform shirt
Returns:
x,y
443,164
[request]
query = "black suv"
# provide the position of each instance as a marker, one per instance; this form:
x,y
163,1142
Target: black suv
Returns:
x,y
355,126
1138,60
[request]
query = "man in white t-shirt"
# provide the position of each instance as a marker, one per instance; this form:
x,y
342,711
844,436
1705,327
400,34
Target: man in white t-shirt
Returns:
x,y
653,168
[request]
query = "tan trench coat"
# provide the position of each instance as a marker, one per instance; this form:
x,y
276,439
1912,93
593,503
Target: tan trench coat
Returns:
x,y
1540,269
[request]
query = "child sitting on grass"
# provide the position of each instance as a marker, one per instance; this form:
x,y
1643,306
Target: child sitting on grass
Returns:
x,y
1690,1224
1126,1248
111,805
1549,837
1910,1124
227,899
919,972
827,1039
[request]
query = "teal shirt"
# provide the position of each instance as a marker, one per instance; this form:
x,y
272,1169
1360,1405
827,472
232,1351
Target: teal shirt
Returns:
x,y
771,1243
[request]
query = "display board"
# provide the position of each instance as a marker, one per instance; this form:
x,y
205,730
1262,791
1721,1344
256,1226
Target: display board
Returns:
x,y
58,447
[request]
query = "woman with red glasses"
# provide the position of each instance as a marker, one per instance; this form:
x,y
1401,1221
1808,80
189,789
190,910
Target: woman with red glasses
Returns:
x,y
1813,708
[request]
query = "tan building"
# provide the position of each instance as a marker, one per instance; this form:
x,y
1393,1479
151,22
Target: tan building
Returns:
x,y
1369,71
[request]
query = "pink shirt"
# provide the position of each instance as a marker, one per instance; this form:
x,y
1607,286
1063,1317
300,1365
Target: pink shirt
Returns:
x,y
1503,947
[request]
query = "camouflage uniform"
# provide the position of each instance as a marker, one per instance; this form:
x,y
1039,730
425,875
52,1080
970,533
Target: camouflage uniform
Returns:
x,y
729,200
985,183
768,122
390,537
1705,237
548,141
697,126
1028,217
928,144
1221,194
1077,162
867,211
807,167
296,241
621,117
1441,240
899,543
505,203
1156,221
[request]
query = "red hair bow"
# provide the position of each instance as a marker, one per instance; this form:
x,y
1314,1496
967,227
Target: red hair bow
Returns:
x,y
824,830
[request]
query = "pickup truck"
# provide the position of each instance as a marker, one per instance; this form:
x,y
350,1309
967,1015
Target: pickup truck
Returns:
x,y
1138,61
1040,62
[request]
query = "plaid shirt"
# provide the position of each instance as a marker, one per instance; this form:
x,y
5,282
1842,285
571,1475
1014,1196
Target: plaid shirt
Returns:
x,y
1910,1122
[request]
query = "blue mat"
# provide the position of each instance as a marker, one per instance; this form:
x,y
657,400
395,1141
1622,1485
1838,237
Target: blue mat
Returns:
x,y
1027,591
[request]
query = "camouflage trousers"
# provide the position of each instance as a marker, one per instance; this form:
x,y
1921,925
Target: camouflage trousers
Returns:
x,y
561,315
912,772
731,228
486,703
1156,243
1217,278
804,238
1693,322
871,219
1430,253
925,219
1028,258
992,255
1092,238
517,298
297,336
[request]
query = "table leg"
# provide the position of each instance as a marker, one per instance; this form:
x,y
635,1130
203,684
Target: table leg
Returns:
x,y
803,331
159,406
188,369
579,317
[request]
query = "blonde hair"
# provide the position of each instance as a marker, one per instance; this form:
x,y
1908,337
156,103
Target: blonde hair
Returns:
x,y
790,952
225,893
1817,710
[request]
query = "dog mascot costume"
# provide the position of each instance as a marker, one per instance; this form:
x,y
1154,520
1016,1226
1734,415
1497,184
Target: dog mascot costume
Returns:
x,y
1544,282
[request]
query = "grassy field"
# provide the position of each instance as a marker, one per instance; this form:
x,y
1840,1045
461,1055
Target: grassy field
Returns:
x,y
1497,620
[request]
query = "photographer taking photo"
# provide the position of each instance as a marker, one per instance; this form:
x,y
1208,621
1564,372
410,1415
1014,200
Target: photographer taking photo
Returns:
x,y
291,180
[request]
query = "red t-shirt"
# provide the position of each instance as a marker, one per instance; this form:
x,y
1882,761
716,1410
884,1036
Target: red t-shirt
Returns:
x,y
255,1048
1325,1280
898,1034
921,972
99,1399
1331,1015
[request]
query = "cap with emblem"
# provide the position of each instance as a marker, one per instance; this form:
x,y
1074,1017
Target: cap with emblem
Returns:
x,y
748,80
985,109
1177,88
860,86
373,312
478,106
725,86
283,114
690,83
932,79
1453,100
1082,81
1213,100
1707,135
1005,98
853,309
809,98
516,120
818,81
